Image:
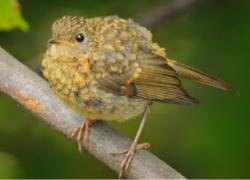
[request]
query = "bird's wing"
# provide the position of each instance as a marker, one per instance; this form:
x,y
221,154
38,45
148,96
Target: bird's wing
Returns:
x,y
199,76
156,82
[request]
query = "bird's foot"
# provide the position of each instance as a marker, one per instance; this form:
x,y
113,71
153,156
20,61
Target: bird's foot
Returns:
x,y
129,154
82,132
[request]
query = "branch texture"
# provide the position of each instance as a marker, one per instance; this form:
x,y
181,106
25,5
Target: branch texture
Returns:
x,y
34,94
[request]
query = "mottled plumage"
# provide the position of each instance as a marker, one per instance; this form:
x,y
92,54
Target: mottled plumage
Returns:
x,y
109,68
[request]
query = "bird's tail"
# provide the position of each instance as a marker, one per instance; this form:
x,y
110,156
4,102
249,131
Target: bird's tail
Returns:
x,y
198,76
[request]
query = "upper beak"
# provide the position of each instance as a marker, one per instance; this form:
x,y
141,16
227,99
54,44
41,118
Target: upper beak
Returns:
x,y
57,41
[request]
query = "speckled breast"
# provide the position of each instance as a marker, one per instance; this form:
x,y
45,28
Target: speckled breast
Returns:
x,y
76,85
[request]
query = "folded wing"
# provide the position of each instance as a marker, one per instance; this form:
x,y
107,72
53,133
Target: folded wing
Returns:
x,y
157,82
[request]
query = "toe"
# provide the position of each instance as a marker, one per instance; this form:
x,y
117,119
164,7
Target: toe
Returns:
x,y
145,146
119,153
75,133
130,158
125,164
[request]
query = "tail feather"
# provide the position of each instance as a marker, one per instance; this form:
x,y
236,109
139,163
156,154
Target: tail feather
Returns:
x,y
198,76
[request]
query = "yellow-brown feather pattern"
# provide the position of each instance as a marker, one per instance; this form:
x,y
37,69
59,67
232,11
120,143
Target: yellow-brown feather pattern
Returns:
x,y
116,71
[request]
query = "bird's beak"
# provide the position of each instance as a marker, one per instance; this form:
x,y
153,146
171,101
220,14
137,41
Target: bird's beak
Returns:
x,y
62,42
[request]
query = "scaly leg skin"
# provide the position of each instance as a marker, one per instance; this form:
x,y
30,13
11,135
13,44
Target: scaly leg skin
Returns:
x,y
134,146
82,132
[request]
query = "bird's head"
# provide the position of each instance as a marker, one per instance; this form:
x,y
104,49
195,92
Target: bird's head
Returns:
x,y
94,38
71,36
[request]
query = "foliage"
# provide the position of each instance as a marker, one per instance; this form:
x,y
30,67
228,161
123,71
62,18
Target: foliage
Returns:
x,y
10,16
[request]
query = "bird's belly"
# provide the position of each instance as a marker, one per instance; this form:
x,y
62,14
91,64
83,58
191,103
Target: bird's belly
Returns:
x,y
107,106
81,93
95,103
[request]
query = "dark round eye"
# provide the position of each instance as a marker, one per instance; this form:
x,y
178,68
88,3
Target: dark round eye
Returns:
x,y
80,37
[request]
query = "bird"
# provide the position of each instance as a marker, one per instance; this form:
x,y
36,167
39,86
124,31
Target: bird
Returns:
x,y
109,68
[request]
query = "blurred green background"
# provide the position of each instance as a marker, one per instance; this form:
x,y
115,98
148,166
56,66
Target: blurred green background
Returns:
x,y
211,140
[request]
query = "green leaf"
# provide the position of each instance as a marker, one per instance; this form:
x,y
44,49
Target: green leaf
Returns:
x,y
11,17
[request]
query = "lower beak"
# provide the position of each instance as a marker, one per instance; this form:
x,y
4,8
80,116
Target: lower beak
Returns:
x,y
62,42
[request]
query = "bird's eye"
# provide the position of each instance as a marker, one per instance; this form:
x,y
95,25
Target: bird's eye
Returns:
x,y
80,37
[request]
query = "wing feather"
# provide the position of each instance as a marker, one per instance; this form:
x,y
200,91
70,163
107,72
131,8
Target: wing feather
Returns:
x,y
157,82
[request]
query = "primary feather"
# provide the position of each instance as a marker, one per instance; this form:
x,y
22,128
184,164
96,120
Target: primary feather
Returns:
x,y
198,76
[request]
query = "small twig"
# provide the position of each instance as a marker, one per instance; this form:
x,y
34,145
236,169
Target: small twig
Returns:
x,y
34,94
164,12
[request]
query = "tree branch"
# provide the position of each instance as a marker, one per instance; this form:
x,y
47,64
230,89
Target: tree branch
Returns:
x,y
34,94
164,12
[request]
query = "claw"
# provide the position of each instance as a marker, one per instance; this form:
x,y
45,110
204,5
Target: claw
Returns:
x,y
140,146
81,133
129,159
126,162
129,154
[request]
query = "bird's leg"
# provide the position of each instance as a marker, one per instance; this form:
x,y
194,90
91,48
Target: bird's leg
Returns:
x,y
129,154
82,132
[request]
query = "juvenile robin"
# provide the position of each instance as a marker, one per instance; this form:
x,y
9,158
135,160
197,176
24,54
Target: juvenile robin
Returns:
x,y
109,68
